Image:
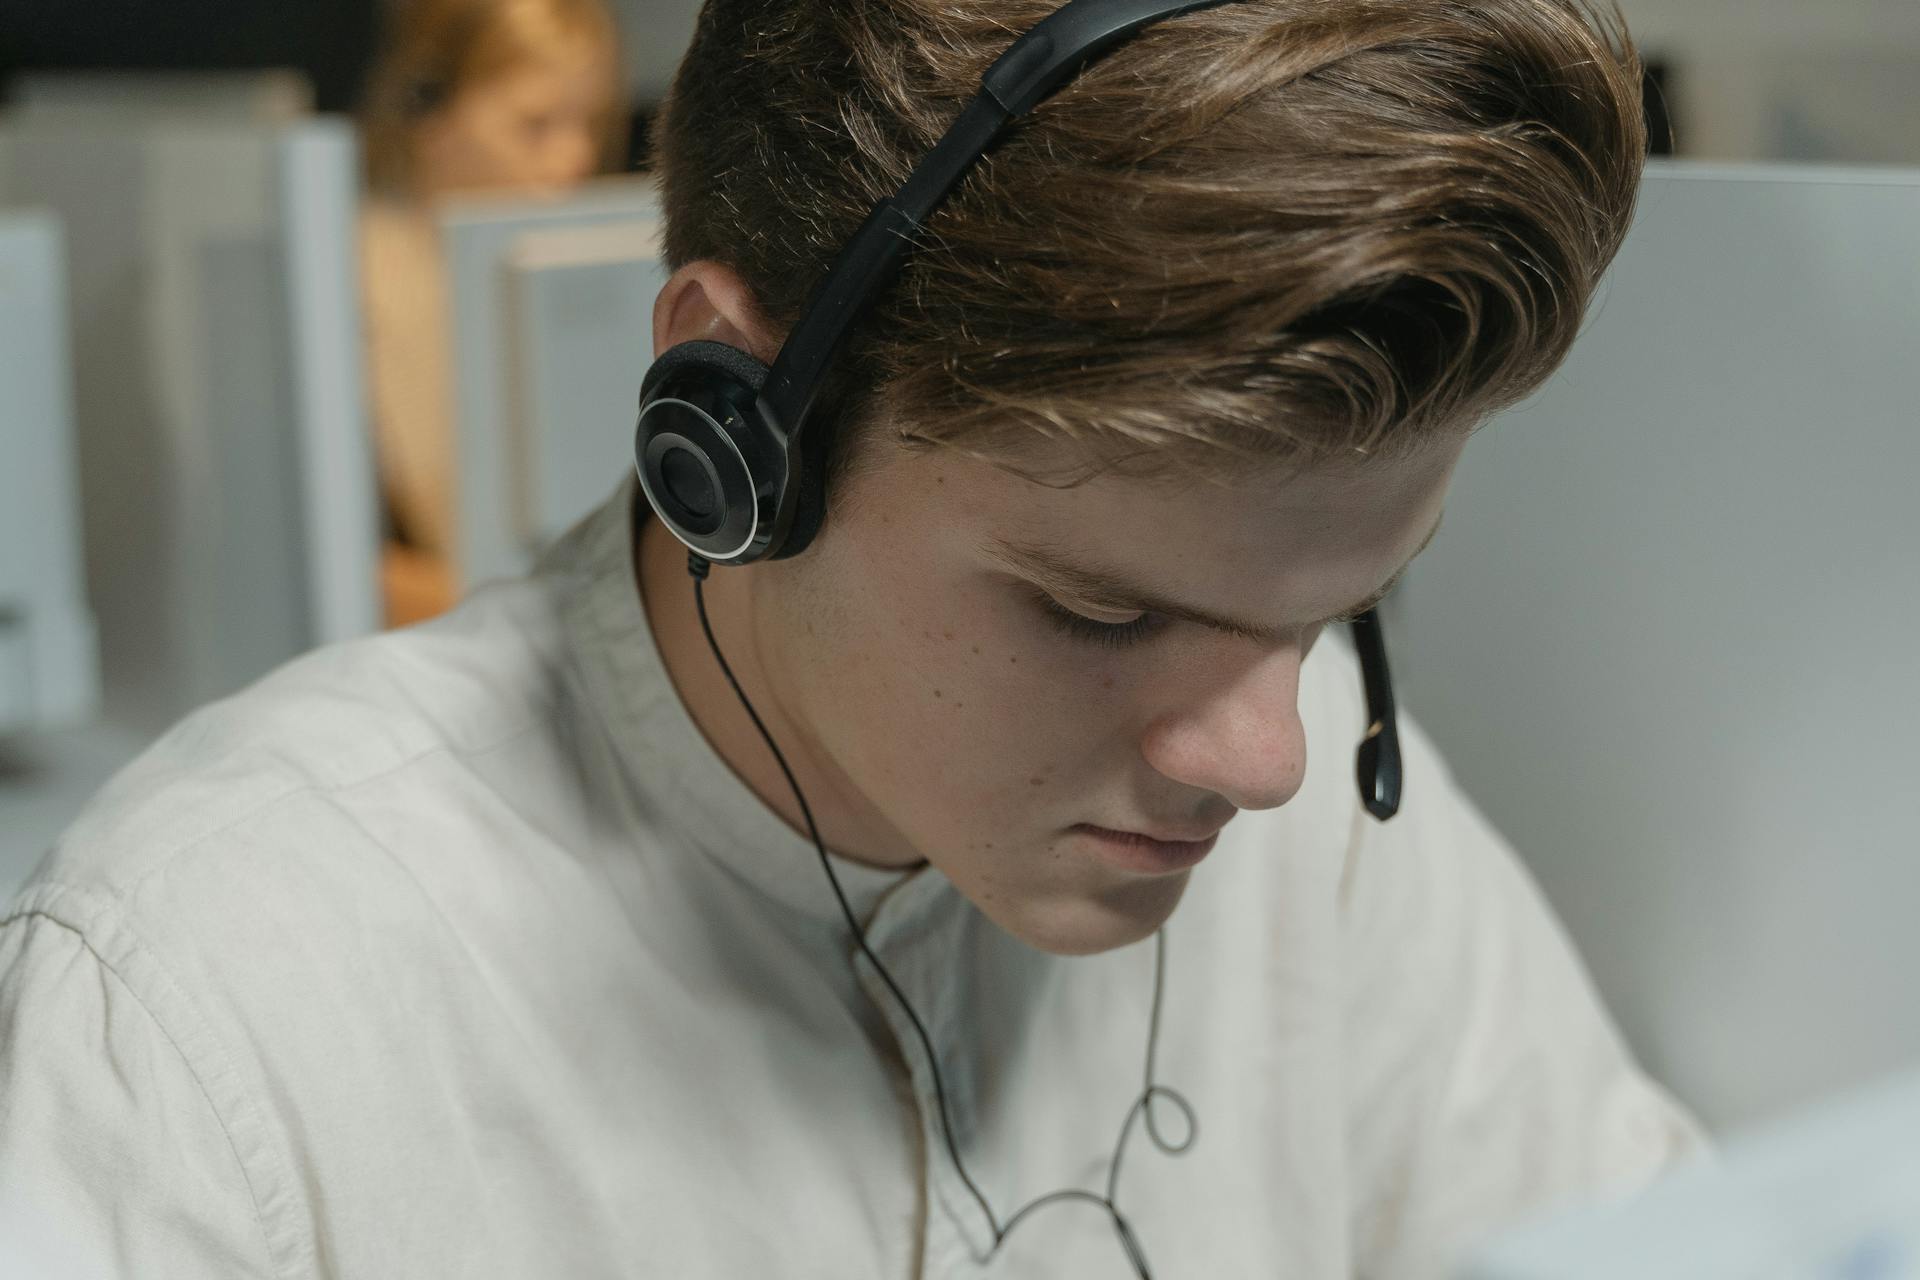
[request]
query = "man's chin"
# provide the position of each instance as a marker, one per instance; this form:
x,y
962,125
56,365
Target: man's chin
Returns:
x,y
1088,924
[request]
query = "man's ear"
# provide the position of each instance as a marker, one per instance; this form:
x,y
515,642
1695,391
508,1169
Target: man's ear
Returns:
x,y
707,301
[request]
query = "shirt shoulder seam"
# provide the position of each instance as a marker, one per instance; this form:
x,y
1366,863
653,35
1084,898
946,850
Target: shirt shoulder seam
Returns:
x,y
99,925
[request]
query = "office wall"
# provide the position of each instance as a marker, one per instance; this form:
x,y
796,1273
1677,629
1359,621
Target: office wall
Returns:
x,y
656,34
1665,637
1788,79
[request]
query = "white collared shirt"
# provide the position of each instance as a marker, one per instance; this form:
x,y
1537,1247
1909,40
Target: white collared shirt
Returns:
x,y
459,952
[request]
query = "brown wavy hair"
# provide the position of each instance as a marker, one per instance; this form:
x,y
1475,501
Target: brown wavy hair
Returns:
x,y
1284,230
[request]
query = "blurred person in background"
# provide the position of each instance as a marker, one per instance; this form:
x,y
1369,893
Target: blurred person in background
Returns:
x,y
467,96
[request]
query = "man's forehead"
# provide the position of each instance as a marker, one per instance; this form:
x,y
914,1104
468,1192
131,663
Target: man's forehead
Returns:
x,y
1267,505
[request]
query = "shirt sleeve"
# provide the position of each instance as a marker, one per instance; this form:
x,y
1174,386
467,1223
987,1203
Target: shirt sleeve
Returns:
x,y
113,1161
1487,1082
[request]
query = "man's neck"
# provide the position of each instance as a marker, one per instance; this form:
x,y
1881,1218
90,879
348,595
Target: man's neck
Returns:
x,y
666,597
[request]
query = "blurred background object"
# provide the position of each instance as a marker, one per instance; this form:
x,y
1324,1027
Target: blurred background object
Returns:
x,y
228,517
219,404
1833,1194
52,753
234,264
1666,637
552,314
48,672
467,97
1787,80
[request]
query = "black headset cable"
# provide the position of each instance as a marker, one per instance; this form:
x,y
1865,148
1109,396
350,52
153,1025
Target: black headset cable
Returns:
x,y
698,567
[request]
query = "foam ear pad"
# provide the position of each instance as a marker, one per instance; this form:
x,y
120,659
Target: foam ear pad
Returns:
x,y
729,360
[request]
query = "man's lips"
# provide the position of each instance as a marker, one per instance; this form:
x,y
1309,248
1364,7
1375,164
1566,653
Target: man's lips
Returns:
x,y
1145,854
1154,836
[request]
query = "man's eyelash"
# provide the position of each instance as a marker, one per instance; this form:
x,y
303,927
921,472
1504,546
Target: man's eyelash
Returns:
x,y
1112,635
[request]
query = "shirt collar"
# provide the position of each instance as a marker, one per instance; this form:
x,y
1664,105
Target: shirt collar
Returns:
x,y
683,783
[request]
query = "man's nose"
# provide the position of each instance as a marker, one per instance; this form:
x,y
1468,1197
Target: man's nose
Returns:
x,y
1239,735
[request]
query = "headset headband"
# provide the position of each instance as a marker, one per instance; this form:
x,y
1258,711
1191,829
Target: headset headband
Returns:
x,y
1037,64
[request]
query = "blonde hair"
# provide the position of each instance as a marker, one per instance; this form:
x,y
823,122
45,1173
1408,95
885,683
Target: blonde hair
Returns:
x,y
1289,230
436,50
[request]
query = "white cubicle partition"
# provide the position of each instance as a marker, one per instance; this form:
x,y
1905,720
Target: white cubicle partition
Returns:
x,y
552,311
48,675
230,505
580,309
1670,634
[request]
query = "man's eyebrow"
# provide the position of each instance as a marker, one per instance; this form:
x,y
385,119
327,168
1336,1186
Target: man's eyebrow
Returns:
x,y
1048,567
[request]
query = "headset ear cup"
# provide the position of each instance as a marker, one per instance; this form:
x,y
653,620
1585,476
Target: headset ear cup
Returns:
x,y
729,360
704,462
810,507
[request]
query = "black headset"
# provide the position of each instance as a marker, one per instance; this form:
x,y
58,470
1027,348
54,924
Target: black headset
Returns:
x,y
727,452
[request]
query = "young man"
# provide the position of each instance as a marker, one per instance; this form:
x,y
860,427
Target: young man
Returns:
x,y
500,947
